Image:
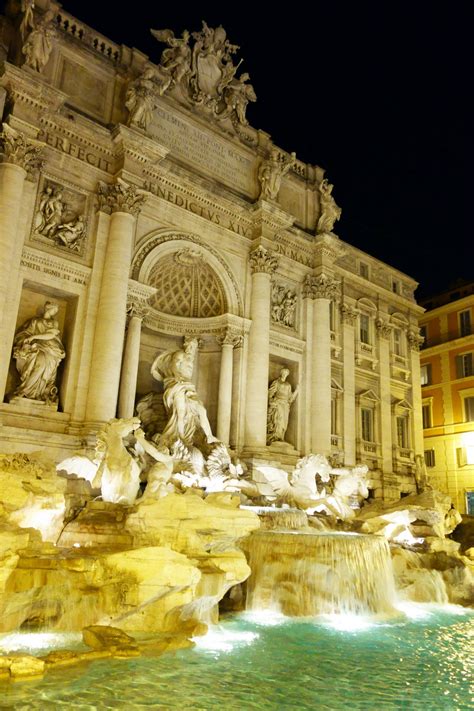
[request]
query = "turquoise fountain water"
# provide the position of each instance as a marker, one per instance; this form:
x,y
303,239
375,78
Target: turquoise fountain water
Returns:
x,y
268,662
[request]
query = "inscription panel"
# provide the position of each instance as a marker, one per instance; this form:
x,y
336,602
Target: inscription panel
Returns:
x,y
205,151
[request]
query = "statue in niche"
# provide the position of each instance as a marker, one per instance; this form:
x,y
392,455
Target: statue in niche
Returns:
x,y
57,222
39,43
330,211
187,414
280,398
38,351
271,172
139,99
283,305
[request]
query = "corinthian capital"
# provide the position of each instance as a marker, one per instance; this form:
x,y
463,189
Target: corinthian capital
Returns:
x,y
120,197
348,313
262,260
139,309
320,287
415,341
384,329
19,150
230,337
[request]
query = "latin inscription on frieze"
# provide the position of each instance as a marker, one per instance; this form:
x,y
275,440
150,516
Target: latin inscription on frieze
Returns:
x,y
84,153
208,213
204,150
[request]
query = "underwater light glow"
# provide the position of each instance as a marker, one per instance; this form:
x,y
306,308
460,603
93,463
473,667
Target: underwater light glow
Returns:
x,y
347,622
222,640
20,641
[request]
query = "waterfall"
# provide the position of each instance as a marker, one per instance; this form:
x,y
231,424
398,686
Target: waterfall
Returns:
x,y
306,574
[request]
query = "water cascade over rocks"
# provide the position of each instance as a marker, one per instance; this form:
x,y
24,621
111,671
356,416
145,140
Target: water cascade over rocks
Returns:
x,y
300,573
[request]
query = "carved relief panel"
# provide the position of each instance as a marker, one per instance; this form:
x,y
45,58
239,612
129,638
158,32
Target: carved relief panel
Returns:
x,y
60,217
283,306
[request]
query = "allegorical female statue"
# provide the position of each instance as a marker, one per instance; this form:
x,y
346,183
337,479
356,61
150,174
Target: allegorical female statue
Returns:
x,y
185,410
38,351
280,399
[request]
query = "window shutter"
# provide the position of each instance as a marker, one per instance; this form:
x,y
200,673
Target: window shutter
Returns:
x,y
459,368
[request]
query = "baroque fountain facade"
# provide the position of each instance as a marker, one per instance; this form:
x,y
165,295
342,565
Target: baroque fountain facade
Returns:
x,y
202,380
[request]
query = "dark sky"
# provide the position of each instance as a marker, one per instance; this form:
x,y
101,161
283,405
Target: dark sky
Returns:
x,y
375,92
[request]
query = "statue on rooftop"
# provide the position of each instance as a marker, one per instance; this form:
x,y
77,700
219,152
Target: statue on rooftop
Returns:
x,y
39,43
198,68
330,211
271,172
139,99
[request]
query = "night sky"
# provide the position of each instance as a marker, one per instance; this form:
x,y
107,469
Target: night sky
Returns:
x,y
377,93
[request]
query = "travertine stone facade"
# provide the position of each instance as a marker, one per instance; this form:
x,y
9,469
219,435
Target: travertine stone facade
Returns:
x,y
136,196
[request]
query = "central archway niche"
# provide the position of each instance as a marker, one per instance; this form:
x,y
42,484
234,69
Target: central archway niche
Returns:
x,y
196,294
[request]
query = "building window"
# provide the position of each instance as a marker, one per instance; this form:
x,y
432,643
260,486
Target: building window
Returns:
x,y
465,328
425,374
367,424
426,412
402,431
464,365
333,417
364,270
364,332
429,457
470,503
395,286
424,334
397,342
469,409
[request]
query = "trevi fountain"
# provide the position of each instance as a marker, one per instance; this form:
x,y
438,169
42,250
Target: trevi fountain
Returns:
x,y
182,527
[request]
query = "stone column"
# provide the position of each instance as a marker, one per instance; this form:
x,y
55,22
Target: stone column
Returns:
x,y
228,341
323,289
262,264
414,343
384,331
20,154
131,355
348,317
307,317
123,202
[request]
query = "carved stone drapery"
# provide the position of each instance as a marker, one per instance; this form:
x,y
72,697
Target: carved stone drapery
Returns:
x,y
19,150
384,329
415,341
120,197
348,313
262,260
320,287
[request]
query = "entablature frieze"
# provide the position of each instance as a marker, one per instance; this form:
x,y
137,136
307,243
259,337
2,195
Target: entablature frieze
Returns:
x,y
282,342
216,326
35,261
202,204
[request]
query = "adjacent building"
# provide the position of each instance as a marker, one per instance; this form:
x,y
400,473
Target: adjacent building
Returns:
x,y
447,378
136,197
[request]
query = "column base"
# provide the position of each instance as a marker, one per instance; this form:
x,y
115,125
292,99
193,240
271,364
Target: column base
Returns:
x,y
31,406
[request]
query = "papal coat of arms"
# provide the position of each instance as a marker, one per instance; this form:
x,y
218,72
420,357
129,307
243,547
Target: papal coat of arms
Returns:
x,y
199,68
